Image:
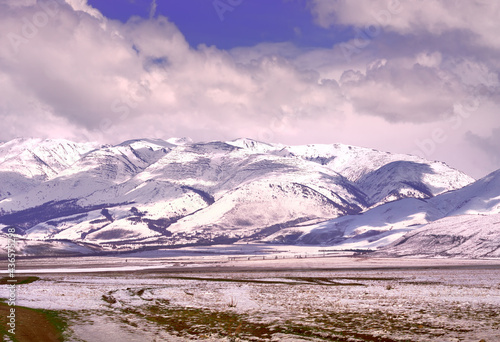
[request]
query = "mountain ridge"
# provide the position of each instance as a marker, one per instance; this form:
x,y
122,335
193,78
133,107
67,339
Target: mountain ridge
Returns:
x,y
152,192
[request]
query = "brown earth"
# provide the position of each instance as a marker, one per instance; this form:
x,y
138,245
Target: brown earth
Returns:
x,y
31,325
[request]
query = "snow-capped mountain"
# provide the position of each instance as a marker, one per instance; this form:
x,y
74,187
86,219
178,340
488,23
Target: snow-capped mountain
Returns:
x,y
469,227
93,171
175,192
373,228
481,197
458,219
26,163
464,236
382,176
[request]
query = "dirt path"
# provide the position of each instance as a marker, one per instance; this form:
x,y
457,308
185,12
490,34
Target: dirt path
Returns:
x,y
31,325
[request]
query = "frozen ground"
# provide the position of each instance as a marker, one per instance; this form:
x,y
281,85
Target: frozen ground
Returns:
x,y
306,299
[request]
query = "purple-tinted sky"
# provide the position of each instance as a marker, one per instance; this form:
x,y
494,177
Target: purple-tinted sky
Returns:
x,y
418,77
247,24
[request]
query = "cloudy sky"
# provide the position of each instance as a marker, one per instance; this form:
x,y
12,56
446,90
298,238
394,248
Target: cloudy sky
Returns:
x,y
418,77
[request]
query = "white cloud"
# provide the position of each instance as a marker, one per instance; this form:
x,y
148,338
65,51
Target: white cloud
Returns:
x,y
479,17
65,71
413,93
17,3
82,5
143,78
430,60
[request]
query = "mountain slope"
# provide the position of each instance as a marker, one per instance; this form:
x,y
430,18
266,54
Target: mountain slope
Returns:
x,y
481,197
230,192
96,170
26,163
154,192
464,236
386,223
470,227
383,176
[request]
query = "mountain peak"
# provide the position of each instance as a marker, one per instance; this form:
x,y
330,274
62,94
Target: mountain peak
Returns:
x,y
147,142
152,191
180,141
251,144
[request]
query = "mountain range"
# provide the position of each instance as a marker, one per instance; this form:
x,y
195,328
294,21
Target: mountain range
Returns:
x,y
69,197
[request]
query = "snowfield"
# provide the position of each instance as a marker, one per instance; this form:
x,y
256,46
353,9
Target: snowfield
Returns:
x,y
471,236
66,198
319,299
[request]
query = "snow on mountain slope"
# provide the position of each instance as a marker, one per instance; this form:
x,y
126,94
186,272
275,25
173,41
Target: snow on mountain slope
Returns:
x,y
394,218
26,163
180,141
148,150
100,169
402,179
380,225
383,176
97,170
254,145
49,248
121,223
464,236
227,185
48,155
154,192
481,197
350,161
105,178
271,200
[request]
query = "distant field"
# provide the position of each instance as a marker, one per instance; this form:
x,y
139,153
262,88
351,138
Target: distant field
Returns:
x,y
315,299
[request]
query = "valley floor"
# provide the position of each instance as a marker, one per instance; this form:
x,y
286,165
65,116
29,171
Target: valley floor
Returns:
x,y
297,299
